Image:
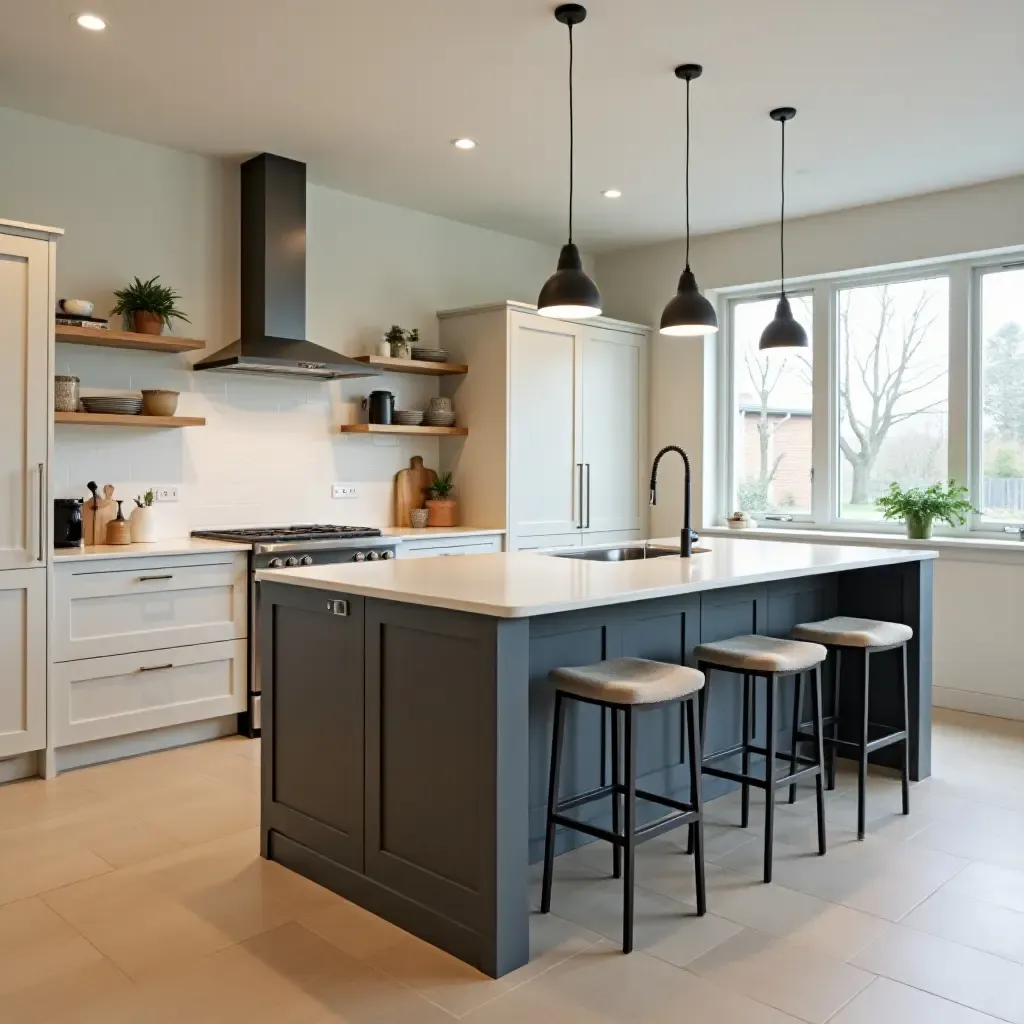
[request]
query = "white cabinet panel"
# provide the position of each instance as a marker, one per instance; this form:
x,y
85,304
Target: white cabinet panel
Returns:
x,y
147,606
25,317
97,698
613,380
23,661
456,546
544,426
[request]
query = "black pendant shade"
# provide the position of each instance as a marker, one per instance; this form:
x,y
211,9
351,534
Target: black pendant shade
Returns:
x,y
783,331
569,294
688,314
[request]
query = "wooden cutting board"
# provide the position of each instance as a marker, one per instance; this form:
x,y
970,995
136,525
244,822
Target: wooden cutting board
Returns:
x,y
411,489
94,521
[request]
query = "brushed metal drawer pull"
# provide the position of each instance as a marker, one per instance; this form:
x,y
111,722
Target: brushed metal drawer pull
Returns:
x,y
155,668
146,579
337,607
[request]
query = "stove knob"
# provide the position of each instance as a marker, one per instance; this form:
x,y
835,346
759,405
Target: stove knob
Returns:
x,y
374,556
291,562
360,556
276,563
387,554
306,560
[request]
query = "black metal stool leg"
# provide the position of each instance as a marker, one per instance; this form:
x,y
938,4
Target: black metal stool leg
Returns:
x,y
769,793
553,779
862,775
702,697
616,801
819,754
833,754
697,800
798,690
630,846
748,738
906,739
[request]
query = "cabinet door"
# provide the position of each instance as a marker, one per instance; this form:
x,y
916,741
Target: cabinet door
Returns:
x,y
613,383
23,666
25,317
545,456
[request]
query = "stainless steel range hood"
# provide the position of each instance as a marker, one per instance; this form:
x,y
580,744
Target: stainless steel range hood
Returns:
x,y
273,279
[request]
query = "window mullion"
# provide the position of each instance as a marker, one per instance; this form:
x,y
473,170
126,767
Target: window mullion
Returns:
x,y
824,443
962,429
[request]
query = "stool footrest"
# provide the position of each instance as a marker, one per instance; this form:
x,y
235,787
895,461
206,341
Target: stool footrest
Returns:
x,y
585,798
882,739
643,832
758,783
753,748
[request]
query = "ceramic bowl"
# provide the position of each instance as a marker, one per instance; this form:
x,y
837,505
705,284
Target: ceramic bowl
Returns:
x,y
159,403
409,417
77,307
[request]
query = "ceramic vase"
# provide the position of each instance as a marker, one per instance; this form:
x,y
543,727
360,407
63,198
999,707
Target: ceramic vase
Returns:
x,y
145,525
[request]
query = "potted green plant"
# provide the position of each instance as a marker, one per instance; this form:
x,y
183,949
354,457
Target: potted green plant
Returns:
x,y
147,307
442,507
399,342
144,526
919,507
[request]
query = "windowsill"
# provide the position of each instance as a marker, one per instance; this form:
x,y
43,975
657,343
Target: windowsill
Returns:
x,y
964,545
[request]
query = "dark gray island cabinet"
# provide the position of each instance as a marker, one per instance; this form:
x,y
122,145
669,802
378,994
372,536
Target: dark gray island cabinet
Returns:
x,y
407,708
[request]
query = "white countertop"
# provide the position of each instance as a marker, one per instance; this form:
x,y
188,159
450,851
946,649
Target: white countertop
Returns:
x,y
440,532
174,546
530,583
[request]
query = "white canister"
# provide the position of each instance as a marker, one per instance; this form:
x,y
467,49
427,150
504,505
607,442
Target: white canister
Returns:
x,y
145,525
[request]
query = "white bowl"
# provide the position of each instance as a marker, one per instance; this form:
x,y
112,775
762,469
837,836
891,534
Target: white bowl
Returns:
x,y
78,307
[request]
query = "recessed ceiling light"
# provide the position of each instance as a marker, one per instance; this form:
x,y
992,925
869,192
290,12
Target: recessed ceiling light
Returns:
x,y
612,193
463,143
92,22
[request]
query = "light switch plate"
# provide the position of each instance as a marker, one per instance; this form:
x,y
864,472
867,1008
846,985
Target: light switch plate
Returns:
x,y
344,491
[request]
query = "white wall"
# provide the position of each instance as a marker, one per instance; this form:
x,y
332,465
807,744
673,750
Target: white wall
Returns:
x,y
270,450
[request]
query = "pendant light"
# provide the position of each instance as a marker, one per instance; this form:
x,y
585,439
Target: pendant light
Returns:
x,y
568,294
783,331
688,314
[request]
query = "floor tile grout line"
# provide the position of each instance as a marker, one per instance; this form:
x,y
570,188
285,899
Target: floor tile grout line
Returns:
x,y
113,963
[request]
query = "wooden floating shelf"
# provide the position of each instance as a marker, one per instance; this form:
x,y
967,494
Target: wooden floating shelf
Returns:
x,y
104,419
126,339
414,366
394,428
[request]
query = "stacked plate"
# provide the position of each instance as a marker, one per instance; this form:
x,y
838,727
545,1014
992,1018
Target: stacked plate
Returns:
x,y
409,418
429,355
118,405
439,419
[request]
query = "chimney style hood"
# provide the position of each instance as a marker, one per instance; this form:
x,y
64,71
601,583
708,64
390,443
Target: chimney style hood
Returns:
x,y
273,278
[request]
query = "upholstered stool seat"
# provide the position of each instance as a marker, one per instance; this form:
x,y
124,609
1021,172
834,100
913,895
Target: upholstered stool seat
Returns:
x,y
761,654
629,681
847,631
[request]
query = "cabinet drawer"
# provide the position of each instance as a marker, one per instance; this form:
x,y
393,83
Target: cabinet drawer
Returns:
x,y
466,546
148,607
97,698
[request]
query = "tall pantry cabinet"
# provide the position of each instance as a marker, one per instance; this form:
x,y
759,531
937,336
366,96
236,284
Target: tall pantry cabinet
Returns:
x,y
27,260
556,410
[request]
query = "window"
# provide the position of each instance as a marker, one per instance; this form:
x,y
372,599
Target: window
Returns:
x,y
1002,398
773,425
914,377
893,343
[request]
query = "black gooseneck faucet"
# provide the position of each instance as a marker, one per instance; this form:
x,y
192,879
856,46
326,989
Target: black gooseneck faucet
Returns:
x,y
687,536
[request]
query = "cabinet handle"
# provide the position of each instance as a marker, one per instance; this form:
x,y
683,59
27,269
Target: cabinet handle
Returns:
x,y
165,576
42,511
338,607
588,497
579,493
155,668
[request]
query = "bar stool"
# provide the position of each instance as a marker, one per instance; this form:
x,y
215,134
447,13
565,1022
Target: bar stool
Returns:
x,y
871,636
772,659
626,686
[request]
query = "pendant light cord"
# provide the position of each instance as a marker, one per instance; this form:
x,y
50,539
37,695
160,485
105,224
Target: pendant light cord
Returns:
x,y
571,137
687,173
782,218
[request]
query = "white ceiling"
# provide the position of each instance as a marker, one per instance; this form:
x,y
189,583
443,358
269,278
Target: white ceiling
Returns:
x,y
895,97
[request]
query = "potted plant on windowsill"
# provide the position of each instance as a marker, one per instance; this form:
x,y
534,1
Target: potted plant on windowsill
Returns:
x,y
442,508
919,507
147,307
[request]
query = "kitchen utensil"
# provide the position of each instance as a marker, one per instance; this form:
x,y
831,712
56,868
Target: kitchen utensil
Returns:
x,y
106,509
381,406
431,355
118,529
411,489
156,402
67,523
409,417
65,394
115,404
77,307
89,513
418,517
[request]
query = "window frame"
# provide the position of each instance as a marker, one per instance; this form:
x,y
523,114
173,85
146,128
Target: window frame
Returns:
x,y
965,401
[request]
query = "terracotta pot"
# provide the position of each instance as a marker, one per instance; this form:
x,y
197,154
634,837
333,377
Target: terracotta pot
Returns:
x,y
147,323
442,513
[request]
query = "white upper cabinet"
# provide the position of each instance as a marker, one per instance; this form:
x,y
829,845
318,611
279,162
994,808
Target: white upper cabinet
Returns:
x,y
545,432
26,313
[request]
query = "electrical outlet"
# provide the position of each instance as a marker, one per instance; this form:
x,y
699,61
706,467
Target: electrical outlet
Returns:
x,y
165,493
344,491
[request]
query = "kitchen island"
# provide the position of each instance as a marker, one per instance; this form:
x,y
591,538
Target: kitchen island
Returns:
x,y
407,709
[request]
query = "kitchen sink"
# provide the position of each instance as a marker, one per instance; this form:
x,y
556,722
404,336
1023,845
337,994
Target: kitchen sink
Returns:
x,y
632,553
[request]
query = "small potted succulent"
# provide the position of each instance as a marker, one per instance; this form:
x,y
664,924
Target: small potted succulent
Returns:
x,y
919,507
147,307
442,507
144,525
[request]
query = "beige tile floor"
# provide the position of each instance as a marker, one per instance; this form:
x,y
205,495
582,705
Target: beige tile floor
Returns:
x,y
134,892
